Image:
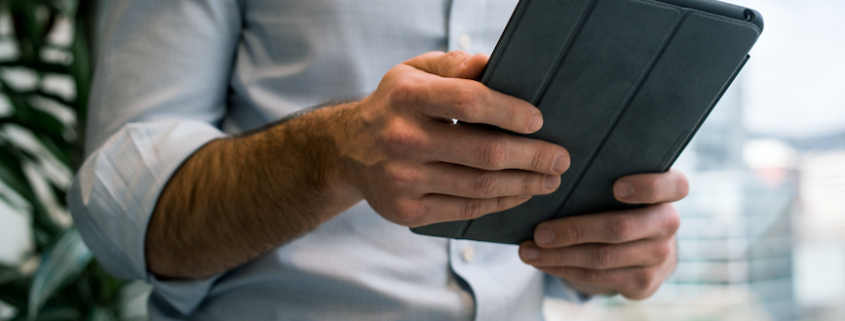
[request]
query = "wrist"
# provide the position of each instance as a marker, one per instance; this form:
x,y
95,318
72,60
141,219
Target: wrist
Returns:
x,y
307,150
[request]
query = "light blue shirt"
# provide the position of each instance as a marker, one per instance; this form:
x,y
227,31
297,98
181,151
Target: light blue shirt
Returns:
x,y
173,75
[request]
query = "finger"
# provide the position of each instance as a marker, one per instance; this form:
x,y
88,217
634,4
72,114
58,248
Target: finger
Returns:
x,y
453,64
472,102
590,289
635,283
435,208
655,221
466,100
490,150
652,188
600,256
456,180
474,67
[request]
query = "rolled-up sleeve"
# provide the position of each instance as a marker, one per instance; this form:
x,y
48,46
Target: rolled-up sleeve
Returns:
x,y
159,94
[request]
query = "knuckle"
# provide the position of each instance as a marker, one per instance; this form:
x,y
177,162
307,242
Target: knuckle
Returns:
x,y
643,280
493,154
604,257
511,118
411,212
569,234
621,228
673,219
591,275
401,139
406,91
468,102
407,213
484,186
402,178
663,252
563,272
537,159
456,57
398,141
503,203
473,208
529,183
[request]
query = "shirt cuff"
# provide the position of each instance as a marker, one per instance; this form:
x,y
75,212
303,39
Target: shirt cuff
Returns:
x,y
115,193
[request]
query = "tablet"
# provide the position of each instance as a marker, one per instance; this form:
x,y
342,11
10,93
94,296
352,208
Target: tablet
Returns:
x,y
622,84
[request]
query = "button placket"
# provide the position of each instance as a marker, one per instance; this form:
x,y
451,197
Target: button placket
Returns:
x,y
466,21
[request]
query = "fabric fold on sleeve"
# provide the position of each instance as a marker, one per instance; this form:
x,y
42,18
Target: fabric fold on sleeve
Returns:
x,y
115,192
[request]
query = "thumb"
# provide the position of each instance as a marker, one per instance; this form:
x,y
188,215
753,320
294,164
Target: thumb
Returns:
x,y
453,64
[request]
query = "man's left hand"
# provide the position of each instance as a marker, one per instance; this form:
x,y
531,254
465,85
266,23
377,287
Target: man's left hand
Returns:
x,y
627,252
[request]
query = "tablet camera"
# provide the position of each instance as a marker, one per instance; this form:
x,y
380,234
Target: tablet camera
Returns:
x,y
748,15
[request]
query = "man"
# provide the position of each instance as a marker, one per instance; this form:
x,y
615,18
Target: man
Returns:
x,y
195,185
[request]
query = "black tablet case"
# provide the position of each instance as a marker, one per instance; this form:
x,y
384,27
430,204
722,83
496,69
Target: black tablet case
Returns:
x,y
622,84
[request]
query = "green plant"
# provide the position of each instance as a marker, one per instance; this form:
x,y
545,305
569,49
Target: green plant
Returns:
x,y
44,83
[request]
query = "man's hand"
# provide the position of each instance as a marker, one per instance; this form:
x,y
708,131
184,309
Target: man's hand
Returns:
x,y
628,252
237,198
415,167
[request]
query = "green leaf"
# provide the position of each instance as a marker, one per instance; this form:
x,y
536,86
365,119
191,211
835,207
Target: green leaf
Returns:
x,y
12,179
44,67
64,262
60,154
11,197
35,120
11,173
81,69
10,169
57,98
43,122
63,288
63,6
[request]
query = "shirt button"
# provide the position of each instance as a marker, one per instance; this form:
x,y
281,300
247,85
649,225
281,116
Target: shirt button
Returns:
x,y
465,42
468,254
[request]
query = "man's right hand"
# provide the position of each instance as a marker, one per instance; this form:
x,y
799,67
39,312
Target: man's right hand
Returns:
x,y
238,198
404,155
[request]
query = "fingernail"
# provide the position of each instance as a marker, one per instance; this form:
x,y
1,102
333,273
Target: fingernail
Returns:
x,y
529,254
561,164
535,123
551,182
623,189
544,236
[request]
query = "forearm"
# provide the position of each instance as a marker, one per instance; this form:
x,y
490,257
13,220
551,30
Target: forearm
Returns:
x,y
238,198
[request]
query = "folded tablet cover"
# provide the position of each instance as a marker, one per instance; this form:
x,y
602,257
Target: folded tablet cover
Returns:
x,y
622,84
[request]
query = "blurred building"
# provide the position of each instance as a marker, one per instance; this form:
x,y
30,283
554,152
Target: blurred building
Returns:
x,y
736,236
735,240
820,233
823,196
